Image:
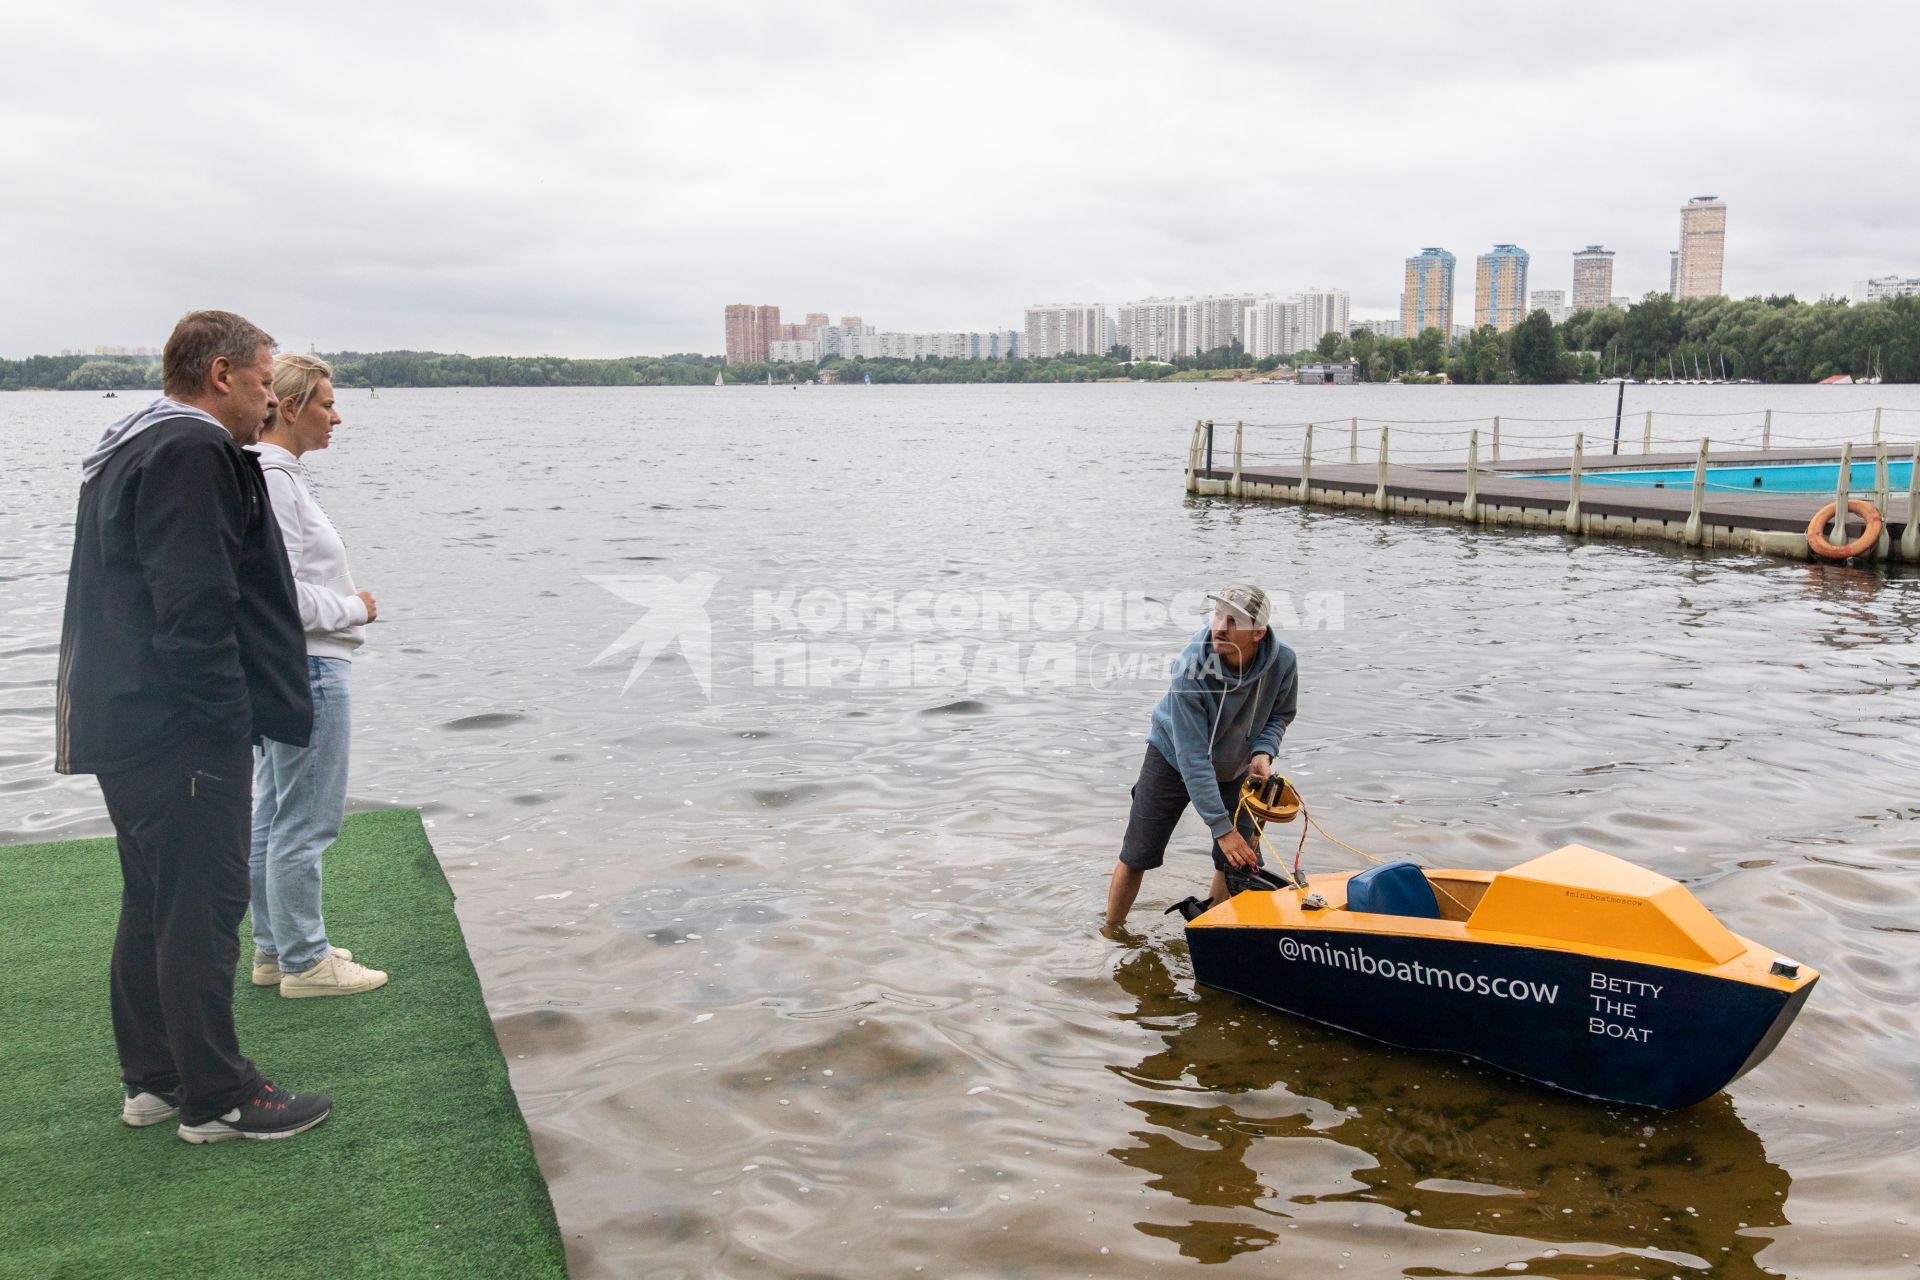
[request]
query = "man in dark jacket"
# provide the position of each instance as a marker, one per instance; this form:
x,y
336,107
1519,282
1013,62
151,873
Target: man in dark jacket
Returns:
x,y
181,646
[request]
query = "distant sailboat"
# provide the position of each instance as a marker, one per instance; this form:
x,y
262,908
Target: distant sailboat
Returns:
x,y
769,377
719,379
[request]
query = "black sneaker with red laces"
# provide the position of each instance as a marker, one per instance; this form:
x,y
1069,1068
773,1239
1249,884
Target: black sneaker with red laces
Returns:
x,y
270,1113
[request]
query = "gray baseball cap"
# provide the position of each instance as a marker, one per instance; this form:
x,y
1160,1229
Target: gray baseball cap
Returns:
x,y
1246,602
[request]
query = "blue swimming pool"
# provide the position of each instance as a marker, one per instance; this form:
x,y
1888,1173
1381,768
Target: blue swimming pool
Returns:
x,y
1784,477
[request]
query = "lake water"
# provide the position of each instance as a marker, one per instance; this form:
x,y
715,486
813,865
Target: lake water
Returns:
x,y
803,979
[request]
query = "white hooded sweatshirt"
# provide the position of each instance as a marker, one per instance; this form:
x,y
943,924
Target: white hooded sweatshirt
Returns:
x,y
334,615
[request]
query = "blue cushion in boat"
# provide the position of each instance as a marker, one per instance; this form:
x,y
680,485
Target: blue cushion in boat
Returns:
x,y
1393,889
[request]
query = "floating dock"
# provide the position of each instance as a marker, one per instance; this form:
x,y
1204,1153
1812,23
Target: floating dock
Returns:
x,y
1575,494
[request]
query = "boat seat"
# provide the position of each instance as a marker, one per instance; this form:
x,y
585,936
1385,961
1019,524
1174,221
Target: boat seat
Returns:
x,y
1393,889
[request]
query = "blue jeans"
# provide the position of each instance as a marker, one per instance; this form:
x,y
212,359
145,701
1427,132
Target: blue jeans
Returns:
x,y
299,798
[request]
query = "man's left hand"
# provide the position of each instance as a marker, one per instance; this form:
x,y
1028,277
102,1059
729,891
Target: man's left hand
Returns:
x,y
1260,767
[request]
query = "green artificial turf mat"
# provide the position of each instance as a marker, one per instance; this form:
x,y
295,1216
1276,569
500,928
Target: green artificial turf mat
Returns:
x,y
423,1169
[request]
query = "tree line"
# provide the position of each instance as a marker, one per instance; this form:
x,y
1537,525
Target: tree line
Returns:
x,y
1771,339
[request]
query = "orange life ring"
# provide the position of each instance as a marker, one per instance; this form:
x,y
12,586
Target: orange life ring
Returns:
x,y
1817,538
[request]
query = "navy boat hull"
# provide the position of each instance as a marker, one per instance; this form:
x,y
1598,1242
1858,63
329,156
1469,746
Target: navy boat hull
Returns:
x,y
1602,1027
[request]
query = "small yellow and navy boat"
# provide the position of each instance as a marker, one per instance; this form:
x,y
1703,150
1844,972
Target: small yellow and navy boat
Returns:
x,y
1577,970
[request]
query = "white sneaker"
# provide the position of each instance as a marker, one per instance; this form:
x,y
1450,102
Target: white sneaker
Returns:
x,y
337,975
142,1108
266,968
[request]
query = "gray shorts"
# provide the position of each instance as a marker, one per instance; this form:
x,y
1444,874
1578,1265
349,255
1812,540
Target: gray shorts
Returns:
x,y
1159,798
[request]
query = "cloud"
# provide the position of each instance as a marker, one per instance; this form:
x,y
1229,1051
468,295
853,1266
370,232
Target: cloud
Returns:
x,y
600,179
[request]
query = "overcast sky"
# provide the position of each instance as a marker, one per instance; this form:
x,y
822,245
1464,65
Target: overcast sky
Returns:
x,y
601,179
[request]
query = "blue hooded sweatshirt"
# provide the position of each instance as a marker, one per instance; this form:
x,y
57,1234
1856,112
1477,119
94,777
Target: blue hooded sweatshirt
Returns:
x,y
1214,720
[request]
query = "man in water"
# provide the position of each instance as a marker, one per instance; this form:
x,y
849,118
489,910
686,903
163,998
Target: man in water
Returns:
x,y
180,648
1232,698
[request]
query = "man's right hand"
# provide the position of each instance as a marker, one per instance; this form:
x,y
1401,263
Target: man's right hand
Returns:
x,y
1238,851
366,598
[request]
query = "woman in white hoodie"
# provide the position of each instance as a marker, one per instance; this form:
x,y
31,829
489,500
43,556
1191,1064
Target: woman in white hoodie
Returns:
x,y
300,793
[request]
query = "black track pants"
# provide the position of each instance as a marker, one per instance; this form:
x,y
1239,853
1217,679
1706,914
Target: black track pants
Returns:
x,y
184,823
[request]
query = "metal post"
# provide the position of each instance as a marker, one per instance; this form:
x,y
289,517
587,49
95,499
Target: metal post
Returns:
x,y
1470,511
1620,402
1838,535
1766,431
1353,441
1306,463
1573,480
1880,496
1691,535
1496,437
1646,437
1380,491
1239,438
1876,425
1209,448
1910,537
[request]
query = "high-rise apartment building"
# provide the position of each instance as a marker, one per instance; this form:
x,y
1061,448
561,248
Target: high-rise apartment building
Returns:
x,y
838,339
1155,328
1065,329
1592,278
1500,288
993,344
749,329
1703,248
1272,328
1220,321
1673,273
1168,328
1322,311
1428,300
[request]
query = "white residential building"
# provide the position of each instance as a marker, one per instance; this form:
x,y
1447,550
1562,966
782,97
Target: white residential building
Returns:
x,y
1157,328
834,339
1380,328
994,344
1322,311
1886,287
793,351
1551,301
1272,328
1168,328
1066,329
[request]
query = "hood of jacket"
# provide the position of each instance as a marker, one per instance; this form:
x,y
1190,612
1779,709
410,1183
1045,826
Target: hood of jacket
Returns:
x,y
132,425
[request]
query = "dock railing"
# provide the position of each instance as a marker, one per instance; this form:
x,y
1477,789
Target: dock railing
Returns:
x,y
1509,445
1819,456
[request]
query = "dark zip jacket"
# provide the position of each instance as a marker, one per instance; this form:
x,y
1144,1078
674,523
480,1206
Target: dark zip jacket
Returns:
x,y
181,619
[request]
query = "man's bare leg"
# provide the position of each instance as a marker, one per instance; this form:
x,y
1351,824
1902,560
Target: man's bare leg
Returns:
x,y
1121,891
1217,891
